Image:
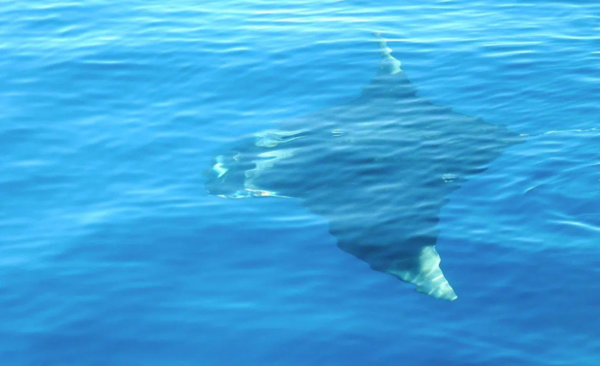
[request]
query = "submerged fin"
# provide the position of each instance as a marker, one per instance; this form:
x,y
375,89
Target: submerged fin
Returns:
x,y
427,275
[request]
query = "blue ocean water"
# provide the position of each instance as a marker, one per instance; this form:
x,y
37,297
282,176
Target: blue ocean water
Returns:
x,y
112,252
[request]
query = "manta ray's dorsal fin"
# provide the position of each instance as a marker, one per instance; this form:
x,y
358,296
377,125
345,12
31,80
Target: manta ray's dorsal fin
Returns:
x,y
389,65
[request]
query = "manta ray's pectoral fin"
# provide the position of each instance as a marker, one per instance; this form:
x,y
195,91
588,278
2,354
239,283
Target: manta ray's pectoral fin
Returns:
x,y
426,274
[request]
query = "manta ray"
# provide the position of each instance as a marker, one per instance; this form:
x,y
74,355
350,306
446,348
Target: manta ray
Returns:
x,y
378,169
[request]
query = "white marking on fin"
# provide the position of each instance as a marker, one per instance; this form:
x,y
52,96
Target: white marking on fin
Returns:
x,y
428,277
389,65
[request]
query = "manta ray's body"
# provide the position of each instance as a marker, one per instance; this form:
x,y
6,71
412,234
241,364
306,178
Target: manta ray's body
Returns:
x,y
379,169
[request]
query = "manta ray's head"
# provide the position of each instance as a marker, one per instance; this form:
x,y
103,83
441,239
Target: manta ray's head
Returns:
x,y
225,178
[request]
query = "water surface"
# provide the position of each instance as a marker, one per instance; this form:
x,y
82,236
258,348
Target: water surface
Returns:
x,y
112,252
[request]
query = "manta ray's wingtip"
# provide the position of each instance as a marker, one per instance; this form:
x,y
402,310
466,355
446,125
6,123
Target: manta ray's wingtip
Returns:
x,y
444,293
427,276
389,65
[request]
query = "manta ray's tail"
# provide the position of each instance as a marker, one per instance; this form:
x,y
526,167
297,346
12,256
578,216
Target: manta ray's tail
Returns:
x,y
426,273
